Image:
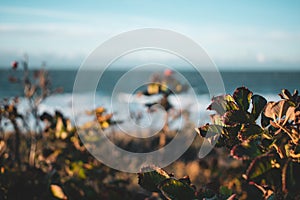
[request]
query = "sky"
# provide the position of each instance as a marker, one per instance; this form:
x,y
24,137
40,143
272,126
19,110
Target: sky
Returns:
x,y
235,34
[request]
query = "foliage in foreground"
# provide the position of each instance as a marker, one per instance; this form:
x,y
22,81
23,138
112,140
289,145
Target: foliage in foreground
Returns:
x,y
270,150
155,179
47,160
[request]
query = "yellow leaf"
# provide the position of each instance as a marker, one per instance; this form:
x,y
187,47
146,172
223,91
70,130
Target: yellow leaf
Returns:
x,y
57,192
105,124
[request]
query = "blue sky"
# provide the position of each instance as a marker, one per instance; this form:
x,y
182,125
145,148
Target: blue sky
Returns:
x,y
236,34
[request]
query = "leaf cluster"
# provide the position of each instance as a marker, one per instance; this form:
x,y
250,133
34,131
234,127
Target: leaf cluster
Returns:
x,y
270,149
155,179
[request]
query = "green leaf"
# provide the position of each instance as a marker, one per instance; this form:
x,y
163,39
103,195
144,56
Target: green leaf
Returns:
x,y
245,151
258,104
210,128
235,117
222,104
78,169
225,191
211,132
176,190
260,166
186,180
229,137
242,97
250,131
265,121
151,176
291,179
216,119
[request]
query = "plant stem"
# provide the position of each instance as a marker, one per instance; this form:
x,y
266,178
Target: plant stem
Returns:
x,y
283,176
17,140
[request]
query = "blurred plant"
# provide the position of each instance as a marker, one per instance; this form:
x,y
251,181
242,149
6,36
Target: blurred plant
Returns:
x,y
58,165
270,150
63,169
37,87
9,113
56,125
102,118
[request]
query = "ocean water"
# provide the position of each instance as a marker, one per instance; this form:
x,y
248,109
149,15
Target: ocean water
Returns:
x,y
268,84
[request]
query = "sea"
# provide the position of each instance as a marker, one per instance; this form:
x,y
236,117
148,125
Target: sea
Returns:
x,y
266,83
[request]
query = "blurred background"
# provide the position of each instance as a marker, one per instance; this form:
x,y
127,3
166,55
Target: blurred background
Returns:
x,y
237,35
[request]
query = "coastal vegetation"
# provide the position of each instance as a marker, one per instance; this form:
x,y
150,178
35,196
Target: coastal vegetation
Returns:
x,y
256,154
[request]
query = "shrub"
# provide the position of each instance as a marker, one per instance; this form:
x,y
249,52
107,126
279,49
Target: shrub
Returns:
x,y
270,149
